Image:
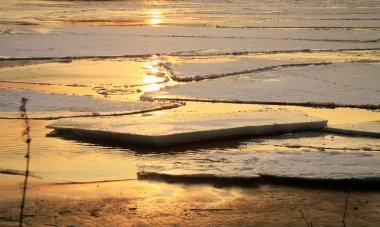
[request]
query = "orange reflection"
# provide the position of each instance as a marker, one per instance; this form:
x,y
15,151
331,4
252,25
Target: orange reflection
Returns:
x,y
155,17
154,75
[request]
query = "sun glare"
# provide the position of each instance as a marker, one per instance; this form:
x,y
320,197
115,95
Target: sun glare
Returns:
x,y
155,17
153,76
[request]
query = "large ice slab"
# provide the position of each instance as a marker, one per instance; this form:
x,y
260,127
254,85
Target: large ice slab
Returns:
x,y
371,128
345,84
302,165
161,130
44,105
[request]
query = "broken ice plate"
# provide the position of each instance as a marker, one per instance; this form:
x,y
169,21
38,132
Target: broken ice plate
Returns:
x,y
163,130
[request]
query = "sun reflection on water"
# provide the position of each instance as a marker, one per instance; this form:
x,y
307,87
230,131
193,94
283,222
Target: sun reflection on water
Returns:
x,y
155,17
154,75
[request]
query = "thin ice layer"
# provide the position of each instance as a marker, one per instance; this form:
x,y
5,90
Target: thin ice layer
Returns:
x,y
314,141
161,130
98,72
346,84
371,128
120,77
304,165
44,105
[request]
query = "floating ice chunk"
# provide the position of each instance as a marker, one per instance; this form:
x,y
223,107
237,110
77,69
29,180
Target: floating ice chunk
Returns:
x,y
44,105
344,84
302,165
209,70
371,128
161,130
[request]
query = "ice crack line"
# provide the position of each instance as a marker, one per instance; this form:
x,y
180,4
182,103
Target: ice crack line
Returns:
x,y
215,76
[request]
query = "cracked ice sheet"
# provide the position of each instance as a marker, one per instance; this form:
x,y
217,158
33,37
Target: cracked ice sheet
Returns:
x,y
344,84
304,165
44,105
162,130
119,41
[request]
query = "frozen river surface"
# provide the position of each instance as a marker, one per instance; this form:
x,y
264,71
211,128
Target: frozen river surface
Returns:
x,y
93,58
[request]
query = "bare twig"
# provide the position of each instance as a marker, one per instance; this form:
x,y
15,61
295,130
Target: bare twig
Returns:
x,y
26,132
345,206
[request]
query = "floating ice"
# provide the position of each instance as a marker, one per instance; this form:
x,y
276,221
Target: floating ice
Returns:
x,y
161,130
44,105
345,84
304,165
371,128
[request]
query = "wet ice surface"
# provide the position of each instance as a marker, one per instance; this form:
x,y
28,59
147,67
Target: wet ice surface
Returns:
x,y
158,130
44,105
353,84
119,41
89,72
371,128
306,165
121,77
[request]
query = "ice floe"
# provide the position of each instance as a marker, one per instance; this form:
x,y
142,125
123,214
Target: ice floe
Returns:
x,y
371,128
44,105
161,130
304,165
345,84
